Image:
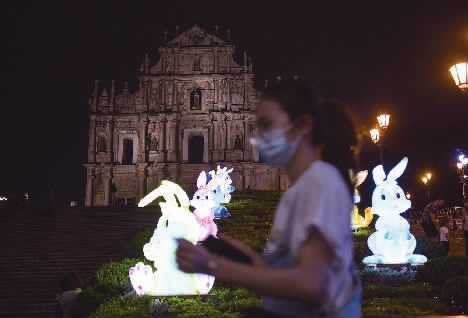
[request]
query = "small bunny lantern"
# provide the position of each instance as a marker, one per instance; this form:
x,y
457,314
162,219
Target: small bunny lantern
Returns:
x,y
392,243
204,201
222,178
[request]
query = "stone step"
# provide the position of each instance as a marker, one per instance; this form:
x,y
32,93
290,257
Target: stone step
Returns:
x,y
38,248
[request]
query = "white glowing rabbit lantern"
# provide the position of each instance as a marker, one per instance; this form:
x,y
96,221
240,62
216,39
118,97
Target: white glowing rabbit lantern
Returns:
x,y
175,222
392,243
222,178
204,202
357,221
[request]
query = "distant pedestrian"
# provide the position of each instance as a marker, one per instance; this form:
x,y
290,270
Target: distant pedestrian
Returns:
x,y
465,223
444,235
114,194
428,217
70,287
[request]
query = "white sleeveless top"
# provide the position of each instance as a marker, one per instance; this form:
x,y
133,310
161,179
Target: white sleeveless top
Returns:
x,y
321,198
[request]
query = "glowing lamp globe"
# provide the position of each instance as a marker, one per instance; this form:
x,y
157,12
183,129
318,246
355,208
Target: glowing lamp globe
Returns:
x,y
383,120
375,135
392,243
460,76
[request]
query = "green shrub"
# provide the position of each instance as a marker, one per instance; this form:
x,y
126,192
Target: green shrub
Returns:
x,y
115,274
134,248
360,250
363,234
91,298
251,218
197,308
382,290
456,289
402,306
388,276
427,247
136,307
235,299
437,271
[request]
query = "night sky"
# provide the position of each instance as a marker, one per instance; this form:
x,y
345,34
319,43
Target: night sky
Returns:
x,y
372,55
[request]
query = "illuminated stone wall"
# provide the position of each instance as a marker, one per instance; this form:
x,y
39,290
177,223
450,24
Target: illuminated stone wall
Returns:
x,y
192,109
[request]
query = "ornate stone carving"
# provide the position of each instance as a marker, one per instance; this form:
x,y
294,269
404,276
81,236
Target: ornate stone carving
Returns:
x,y
237,92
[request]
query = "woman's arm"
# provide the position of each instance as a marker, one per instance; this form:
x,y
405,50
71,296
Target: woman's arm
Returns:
x,y
303,282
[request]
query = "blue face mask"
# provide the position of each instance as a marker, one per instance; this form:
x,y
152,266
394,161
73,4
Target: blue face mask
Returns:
x,y
274,147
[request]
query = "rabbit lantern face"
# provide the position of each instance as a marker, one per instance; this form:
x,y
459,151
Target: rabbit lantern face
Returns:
x,y
204,198
388,198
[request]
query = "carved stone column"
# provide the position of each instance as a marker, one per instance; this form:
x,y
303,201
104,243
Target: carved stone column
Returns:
x,y
89,187
246,94
176,60
108,136
92,141
216,60
111,140
171,135
163,84
229,56
145,94
140,180
175,93
164,138
216,93
141,141
228,134
107,180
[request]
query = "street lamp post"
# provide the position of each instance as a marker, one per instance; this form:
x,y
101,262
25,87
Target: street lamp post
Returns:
x,y
461,172
377,134
460,76
426,180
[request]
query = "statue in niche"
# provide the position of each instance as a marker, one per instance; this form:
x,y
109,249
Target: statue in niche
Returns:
x,y
237,143
154,144
195,99
101,144
196,64
168,64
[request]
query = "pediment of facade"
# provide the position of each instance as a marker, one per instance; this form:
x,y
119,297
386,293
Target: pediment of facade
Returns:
x,y
196,36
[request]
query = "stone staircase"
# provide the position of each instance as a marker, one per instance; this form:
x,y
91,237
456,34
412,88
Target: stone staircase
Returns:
x,y
38,247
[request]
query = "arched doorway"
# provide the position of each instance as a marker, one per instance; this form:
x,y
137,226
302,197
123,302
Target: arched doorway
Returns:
x,y
195,149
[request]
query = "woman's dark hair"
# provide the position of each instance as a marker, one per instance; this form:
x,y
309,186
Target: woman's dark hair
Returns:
x,y
333,127
71,281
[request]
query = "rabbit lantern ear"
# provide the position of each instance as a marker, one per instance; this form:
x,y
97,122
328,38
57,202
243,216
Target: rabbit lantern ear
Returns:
x,y
379,174
201,181
398,170
230,170
360,177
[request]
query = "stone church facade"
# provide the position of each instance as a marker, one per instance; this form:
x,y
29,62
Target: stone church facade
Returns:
x,y
194,109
